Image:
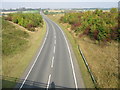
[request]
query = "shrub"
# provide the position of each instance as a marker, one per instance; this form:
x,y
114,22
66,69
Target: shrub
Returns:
x,y
29,21
99,25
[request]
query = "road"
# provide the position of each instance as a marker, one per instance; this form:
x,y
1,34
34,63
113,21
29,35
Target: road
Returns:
x,y
54,66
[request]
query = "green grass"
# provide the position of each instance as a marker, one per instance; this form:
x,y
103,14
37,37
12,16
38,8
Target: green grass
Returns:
x,y
86,77
15,64
14,40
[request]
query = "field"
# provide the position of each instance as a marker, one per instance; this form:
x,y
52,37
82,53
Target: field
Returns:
x,y
102,59
19,48
8,12
31,11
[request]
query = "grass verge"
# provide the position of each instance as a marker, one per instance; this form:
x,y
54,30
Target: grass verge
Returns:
x,y
14,65
86,77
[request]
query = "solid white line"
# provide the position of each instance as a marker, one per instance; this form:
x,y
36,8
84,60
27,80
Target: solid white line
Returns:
x,y
35,59
54,48
52,62
48,81
70,58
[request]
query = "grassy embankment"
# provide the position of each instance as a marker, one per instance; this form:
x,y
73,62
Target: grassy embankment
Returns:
x,y
103,60
19,48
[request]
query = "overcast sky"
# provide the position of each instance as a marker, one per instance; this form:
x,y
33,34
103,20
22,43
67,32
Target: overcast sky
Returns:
x,y
59,0
7,4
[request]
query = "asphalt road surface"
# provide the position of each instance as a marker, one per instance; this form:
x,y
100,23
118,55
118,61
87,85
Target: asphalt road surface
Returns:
x,y
54,65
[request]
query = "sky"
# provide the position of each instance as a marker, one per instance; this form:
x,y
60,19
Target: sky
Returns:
x,y
7,4
59,0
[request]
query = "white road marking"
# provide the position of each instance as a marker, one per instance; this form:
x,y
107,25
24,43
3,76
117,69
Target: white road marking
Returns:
x,y
48,83
55,42
69,54
54,31
55,36
35,60
70,58
54,49
52,62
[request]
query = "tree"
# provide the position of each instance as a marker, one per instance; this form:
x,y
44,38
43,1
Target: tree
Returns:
x,y
113,10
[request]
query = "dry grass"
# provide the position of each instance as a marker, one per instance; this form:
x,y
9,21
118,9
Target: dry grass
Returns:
x,y
14,66
103,60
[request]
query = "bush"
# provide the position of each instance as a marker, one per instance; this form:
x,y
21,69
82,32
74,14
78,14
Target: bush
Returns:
x,y
26,20
99,25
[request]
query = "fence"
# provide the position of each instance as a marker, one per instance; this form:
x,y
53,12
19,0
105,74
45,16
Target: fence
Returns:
x,y
87,66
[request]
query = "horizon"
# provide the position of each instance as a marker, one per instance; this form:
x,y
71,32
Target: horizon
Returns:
x,y
58,5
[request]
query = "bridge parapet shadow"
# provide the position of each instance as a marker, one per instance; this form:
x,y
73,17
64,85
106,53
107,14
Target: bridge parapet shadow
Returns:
x,y
15,83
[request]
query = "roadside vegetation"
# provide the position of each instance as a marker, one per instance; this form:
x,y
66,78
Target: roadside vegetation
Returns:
x,y
27,20
19,46
13,39
97,34
98,25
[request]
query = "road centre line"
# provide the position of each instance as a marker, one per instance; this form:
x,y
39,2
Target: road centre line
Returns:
x,y
69,53
55,36
52,62
55,42
54,29
70,58
54,49
48,83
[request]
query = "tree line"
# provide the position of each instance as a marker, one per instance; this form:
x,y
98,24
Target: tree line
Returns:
x,y
98,25
27,20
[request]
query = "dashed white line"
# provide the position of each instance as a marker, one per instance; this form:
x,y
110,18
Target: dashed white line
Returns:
x,y
54,48
48,83
52,62
54,31
55,42
69,54
70,58
55,36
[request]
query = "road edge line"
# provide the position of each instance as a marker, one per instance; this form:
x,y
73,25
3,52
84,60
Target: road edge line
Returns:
x,y
36,58
70,58
69,54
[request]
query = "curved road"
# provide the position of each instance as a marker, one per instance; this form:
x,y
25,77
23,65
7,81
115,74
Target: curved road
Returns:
x,y
54,66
